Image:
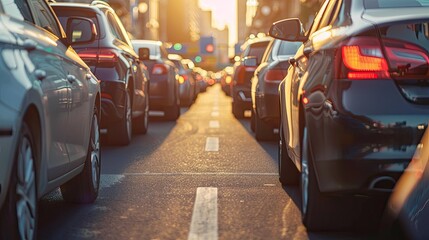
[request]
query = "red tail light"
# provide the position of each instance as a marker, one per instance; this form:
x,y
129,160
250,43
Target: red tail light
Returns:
x,y
275,75
241,72
362,58
406,59
99,56
106,95
159,69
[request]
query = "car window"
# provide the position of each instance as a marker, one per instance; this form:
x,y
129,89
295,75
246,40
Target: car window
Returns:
x,y
288,48
315,26
370,4
257,50
268,57
18,9
45,18
115,28
121,30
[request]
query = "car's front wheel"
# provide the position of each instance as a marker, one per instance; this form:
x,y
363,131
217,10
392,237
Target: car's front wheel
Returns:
x,y
84,187
18,217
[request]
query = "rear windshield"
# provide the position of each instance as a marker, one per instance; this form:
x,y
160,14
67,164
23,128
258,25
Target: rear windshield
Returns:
x,y
153,49
369,4
64,14
257,50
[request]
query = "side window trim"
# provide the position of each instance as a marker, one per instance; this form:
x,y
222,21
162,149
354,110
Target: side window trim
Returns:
x,y
315,26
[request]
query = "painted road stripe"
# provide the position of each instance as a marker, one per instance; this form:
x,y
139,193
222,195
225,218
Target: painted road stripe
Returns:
x,y
200,173
214,124
204,223
212,144
215,114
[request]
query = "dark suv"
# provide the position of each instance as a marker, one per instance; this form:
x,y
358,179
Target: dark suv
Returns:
x,y
111,57
243,72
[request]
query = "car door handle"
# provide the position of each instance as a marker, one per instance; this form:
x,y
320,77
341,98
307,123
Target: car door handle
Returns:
x,y
88,76
71,78
40,74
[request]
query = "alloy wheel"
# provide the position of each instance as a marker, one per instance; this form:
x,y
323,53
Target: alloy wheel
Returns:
x,y
304,173
95,152
26,191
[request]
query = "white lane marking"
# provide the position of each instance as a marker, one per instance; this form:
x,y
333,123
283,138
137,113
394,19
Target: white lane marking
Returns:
x,y
215,114
108,180
214,124
212,144
204,224
201,173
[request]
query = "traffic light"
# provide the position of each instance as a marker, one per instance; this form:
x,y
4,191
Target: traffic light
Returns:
x,y
198,59
207,46
178,48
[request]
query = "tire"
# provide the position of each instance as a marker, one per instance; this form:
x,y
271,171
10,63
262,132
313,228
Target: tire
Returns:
x,y
252,121
263,131
172,113
121,133
141,123
84,187
237,110
18,218
288,173
321,212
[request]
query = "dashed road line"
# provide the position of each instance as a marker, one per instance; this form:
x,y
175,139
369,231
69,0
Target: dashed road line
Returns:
x,y
204,223
212,144
214,124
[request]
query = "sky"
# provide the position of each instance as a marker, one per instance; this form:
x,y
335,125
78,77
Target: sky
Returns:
x,y
224,12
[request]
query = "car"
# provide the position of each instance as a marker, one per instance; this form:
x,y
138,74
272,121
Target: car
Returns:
x,y
406,215
164,90
111,57
50,114
354,104
253,48
265,88
188,86
226,80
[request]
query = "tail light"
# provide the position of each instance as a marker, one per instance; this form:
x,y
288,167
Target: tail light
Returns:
x,y
275,75
183,79
241,72
159,69
99,56
362,58
406,59
106,95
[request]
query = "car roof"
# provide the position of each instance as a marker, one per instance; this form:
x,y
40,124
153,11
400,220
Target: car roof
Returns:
x,y
387,15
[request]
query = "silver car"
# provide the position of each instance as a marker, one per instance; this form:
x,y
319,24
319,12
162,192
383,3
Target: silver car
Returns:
x,y
49,115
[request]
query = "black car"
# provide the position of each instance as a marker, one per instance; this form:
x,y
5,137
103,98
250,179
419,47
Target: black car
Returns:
x,y
111,57
253,50
265,88
164,77
354,104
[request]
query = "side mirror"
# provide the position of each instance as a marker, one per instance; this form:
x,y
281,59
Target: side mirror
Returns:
x,y
250,61
80,30
144,53
288,30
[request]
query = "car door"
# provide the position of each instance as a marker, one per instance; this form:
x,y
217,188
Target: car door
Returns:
x,y
41,49
295,82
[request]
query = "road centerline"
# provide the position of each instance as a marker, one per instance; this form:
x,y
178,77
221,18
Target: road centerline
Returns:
x,y
214,124
204,223
212,144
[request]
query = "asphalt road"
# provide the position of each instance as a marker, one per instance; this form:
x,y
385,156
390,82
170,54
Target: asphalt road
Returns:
x,y
201,177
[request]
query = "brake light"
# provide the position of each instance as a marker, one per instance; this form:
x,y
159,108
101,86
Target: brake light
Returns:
x,y
242,72
406,58
106,95
275,75
99,56
159,69
362,58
